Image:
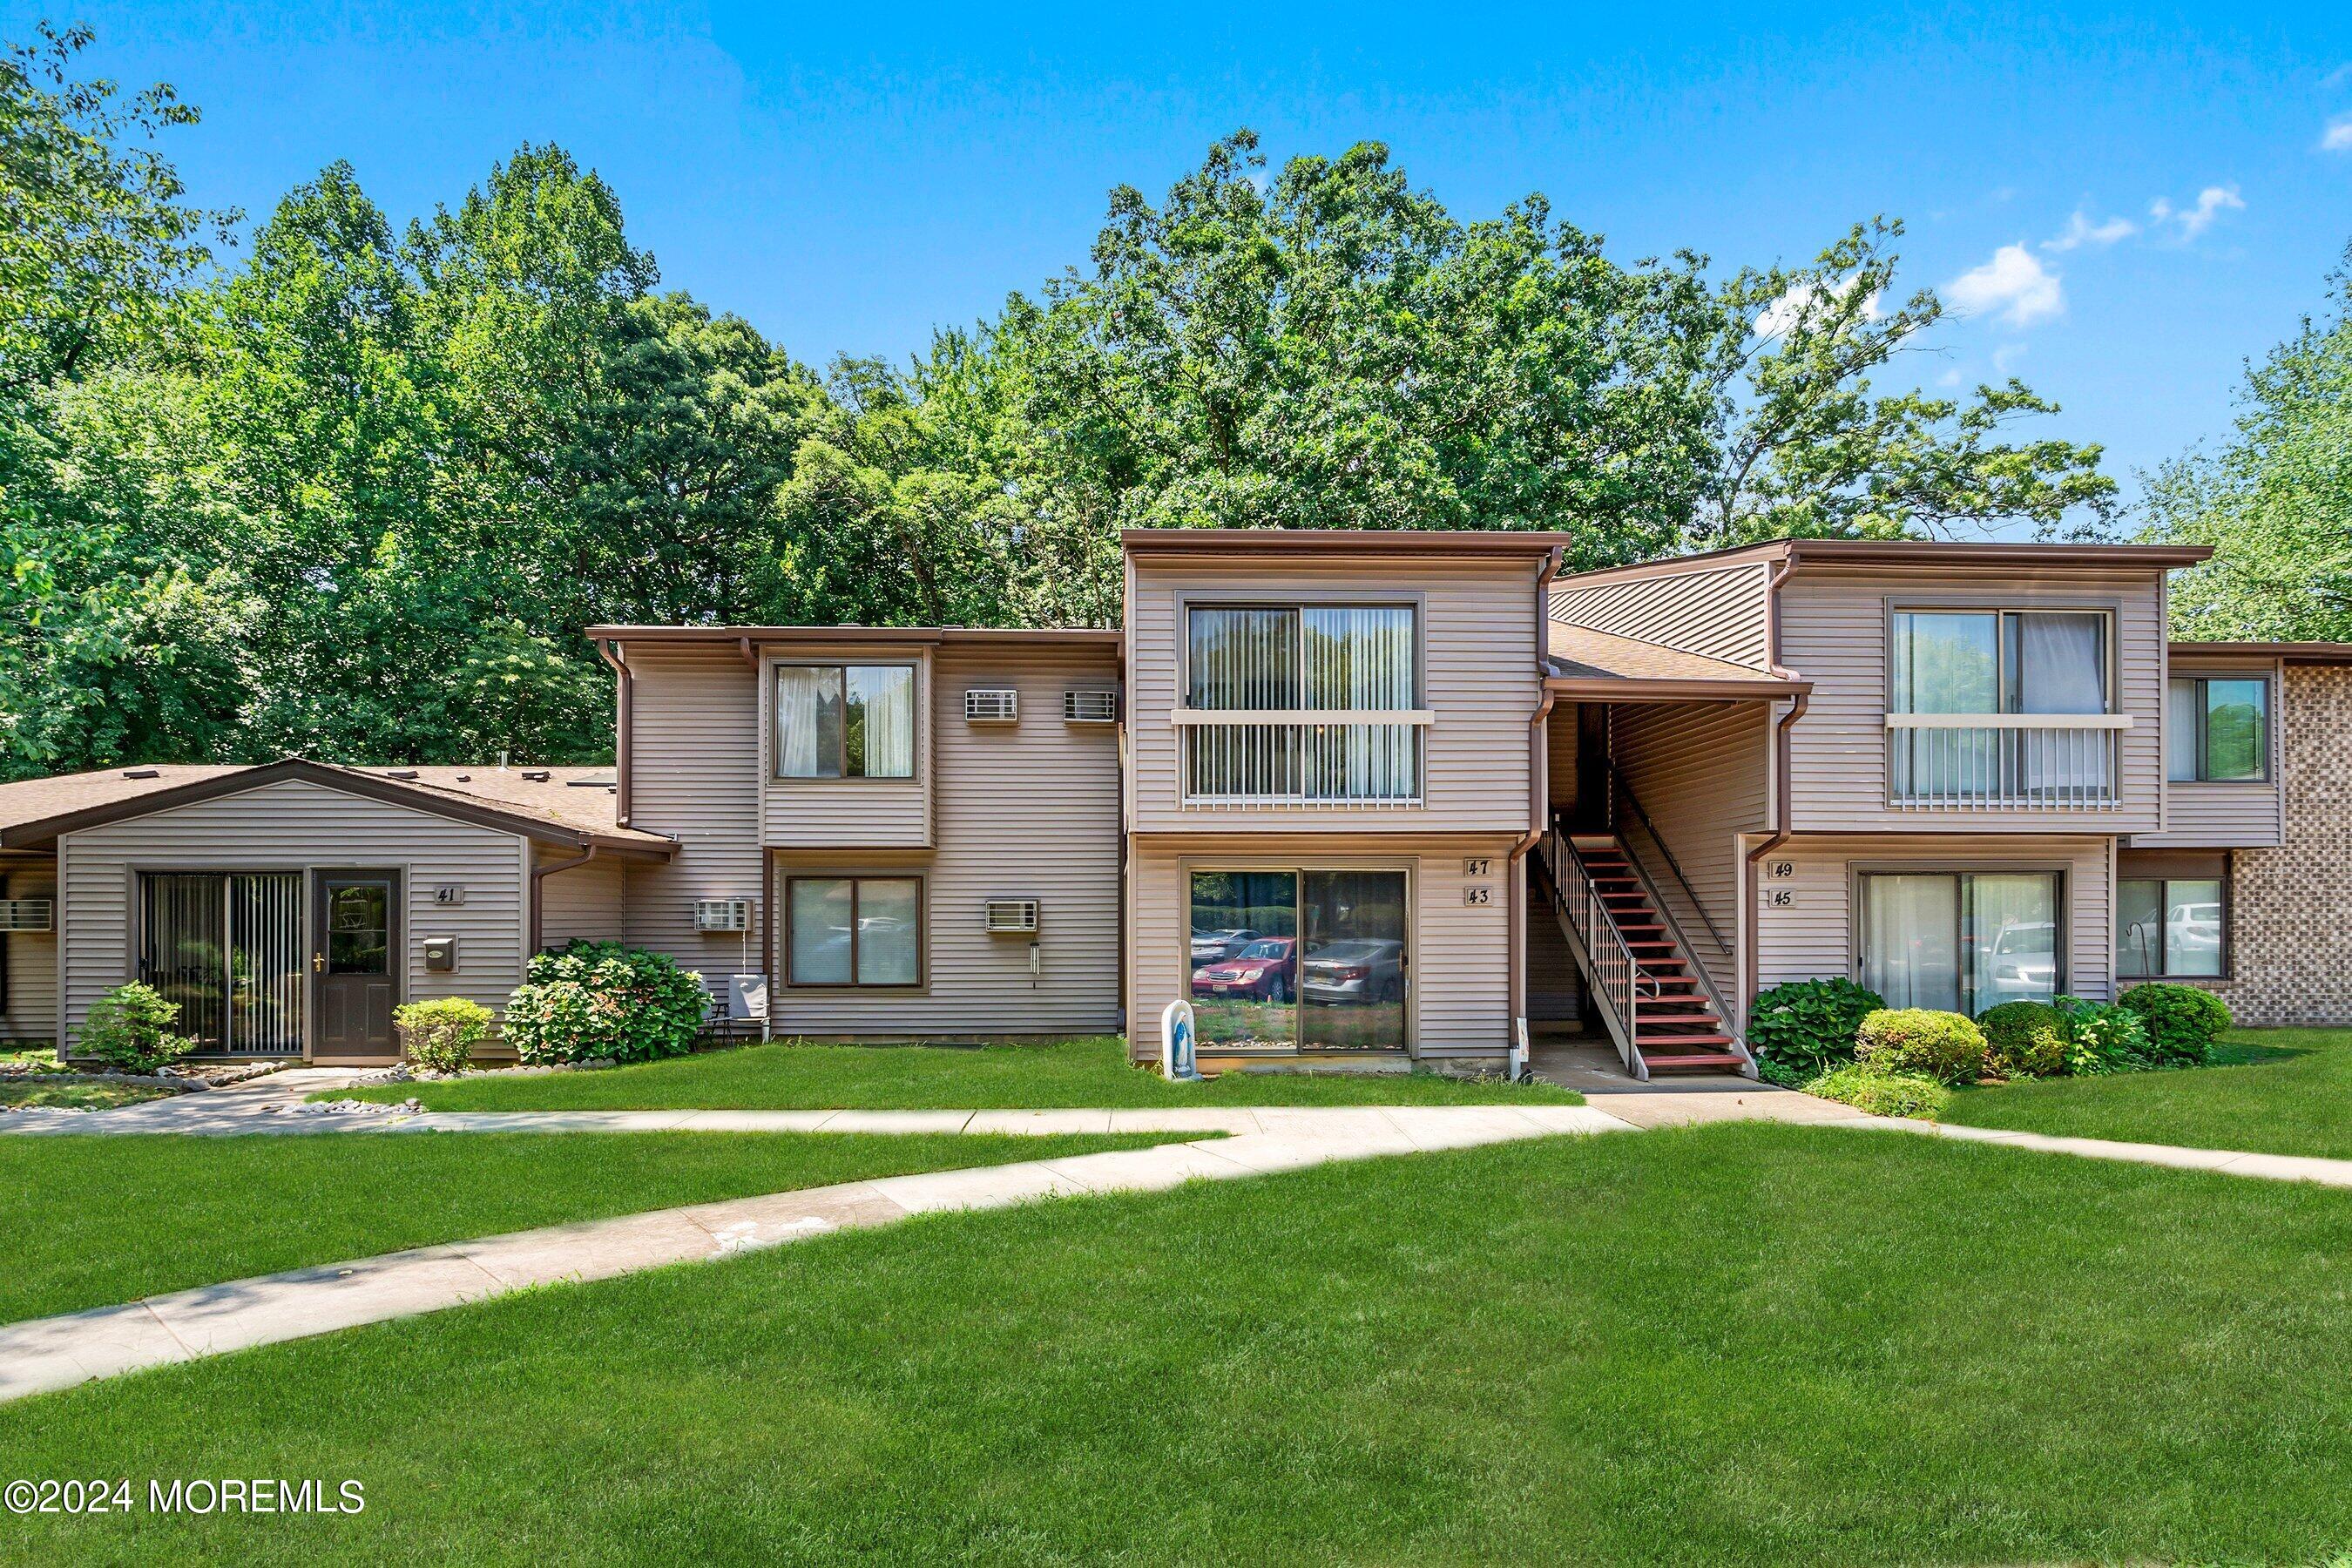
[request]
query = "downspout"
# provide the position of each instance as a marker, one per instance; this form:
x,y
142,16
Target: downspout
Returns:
x,y
1539,806
538,899
624,682
1752,917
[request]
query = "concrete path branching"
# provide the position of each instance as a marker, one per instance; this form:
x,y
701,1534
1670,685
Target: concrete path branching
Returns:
x,y
55,1353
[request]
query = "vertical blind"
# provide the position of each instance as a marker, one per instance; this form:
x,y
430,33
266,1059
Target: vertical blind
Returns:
x,y
1359,657
228,949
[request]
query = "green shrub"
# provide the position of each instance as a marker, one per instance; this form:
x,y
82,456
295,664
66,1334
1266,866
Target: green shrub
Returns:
x,y
130,1028
599,999
1866,1087
442,1034
2182,1022
1945,1047
2024,1040
2101,1037
1798,1029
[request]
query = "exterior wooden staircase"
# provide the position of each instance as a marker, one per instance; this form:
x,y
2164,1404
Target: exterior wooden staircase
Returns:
x,y
1652,996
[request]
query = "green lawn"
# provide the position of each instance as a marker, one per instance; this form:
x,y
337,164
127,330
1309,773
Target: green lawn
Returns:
x,y
2272,1091
1087,1073
99,1094
121,1217
1744,1343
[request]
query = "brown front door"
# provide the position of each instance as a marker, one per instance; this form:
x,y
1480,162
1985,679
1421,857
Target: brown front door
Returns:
x,y
354,967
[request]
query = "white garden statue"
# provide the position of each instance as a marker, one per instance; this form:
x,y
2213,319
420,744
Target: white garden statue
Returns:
x,y
1176,1050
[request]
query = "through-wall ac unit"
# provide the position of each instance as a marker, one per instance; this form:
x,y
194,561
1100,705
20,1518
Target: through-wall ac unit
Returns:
x,y
722,914
27,914
1083,707
984,705
1012,914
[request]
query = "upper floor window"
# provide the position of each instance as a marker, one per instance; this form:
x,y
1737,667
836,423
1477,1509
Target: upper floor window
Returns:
x,y
844,720
2001,709
2000,661
1338,668
2217,729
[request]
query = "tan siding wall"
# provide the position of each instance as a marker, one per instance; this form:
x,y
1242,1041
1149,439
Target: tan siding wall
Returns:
x,y
1834,632
1460,959
1700,769
293,824
1479,639
586,903
1815,937
2226,815
31,1010
832,813
1028,810
695,763
1719,612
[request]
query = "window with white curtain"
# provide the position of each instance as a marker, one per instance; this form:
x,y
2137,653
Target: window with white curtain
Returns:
x,y
1998,662
1308,659
852,720
1961,941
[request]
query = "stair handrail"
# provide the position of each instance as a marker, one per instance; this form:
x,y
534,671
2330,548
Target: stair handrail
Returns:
x,y
1673,864
1612,963
1704,975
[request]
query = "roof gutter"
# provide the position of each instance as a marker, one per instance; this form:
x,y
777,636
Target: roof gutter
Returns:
x,y
625,680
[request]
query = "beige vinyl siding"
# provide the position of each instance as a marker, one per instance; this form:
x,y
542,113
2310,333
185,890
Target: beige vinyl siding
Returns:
x,y
1718,611
585,903
1814,937
1701,772
30,1012
2244,815
1025,810
1834,630
1478,640
297,824
694,770
1460,1004
866,813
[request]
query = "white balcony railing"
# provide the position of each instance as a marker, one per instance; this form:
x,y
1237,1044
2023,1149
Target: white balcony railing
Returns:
x,y
2006,761
1303,757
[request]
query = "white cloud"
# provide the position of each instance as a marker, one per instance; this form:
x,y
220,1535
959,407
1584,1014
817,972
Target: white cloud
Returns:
x,y
2195,220
2014,284
2337,137
2081,231
1785,314
2005,357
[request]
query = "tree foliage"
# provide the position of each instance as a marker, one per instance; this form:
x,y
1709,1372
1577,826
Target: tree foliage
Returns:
x,y
359,494
2276,498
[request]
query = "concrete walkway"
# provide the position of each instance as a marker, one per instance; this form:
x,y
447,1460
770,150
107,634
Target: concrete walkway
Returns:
x,y
55,1353
2228,1162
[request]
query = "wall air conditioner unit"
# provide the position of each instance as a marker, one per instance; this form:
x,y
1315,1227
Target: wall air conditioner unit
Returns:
x,y
1012,915
722,914
1090,707
27,914
983,706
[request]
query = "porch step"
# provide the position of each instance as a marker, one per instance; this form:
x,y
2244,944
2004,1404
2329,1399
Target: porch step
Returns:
x,y
1709,1061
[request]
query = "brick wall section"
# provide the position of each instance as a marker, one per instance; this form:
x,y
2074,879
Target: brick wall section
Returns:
x,y
2292,920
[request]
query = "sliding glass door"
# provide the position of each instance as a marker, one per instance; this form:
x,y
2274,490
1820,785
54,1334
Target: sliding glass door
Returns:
x,y
228,949
1960,940
1315,960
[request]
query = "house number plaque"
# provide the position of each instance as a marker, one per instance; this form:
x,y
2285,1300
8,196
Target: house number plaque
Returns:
x,y
1479,894
1477,868
449,893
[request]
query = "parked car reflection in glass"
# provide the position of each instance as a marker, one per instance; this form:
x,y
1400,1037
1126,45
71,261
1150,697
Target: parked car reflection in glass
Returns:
x,y
1353,973
1211,946
1265,970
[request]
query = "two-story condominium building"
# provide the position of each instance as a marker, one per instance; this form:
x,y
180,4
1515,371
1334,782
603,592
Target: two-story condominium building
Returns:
x,y
1374,797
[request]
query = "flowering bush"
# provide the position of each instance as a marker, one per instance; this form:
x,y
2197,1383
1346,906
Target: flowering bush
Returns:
x,y
599,999
441,1033
1945,1047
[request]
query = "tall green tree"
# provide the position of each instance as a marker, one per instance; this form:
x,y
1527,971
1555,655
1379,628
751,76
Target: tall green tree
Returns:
x,y
2275,500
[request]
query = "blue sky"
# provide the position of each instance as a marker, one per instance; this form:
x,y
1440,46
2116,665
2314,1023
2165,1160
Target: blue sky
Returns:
x,y
848,180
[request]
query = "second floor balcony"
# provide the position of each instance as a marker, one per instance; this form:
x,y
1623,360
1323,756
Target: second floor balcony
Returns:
x,y
1305,758
2006,761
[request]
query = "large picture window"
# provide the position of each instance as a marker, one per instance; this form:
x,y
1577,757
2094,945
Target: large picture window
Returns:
x,y
854,930
1315,659
1300,959
2218,729
1947,666
846,721
1961,942
2169,926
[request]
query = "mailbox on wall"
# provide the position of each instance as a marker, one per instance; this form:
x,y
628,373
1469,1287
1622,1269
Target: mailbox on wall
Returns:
x,y
440,952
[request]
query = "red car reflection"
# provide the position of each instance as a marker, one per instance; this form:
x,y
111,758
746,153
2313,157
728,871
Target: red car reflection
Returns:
x,y
1267,969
